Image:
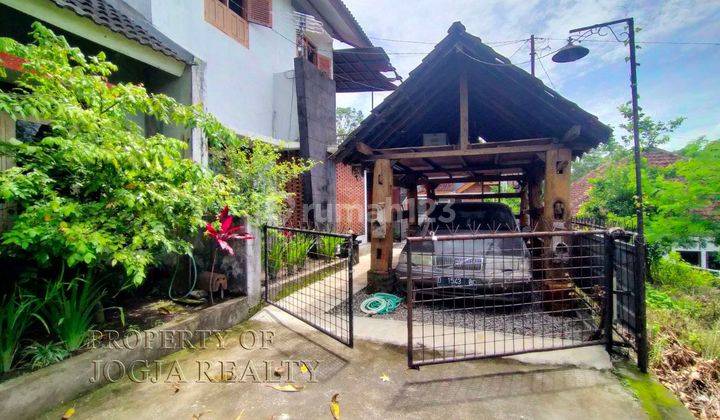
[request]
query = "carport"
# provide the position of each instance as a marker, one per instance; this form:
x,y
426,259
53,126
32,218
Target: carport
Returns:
x,y
497,123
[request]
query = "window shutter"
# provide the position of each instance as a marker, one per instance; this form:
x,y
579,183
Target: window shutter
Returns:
x,y
260,12
325,65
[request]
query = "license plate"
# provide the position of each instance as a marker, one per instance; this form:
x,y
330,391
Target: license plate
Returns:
x,y
455,281
468,261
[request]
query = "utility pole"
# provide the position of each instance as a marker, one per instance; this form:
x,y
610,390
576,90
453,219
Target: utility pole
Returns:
x,y
532,54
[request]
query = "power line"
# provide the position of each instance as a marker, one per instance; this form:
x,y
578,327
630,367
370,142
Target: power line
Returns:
x,y
407,41
546,74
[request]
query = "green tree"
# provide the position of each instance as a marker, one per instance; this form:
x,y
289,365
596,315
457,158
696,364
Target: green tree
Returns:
x,y
680,200
652,134
94,192
347,120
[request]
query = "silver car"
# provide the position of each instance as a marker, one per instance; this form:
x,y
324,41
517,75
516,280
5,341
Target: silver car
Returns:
x,y
489,269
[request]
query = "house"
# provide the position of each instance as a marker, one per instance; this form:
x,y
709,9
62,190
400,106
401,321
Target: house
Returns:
x,y
266,68
702,253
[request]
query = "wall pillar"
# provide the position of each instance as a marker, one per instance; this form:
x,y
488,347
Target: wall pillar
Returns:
x,y
556,214
381,224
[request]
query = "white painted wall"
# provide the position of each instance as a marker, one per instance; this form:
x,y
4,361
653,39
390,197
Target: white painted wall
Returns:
x,y
241,85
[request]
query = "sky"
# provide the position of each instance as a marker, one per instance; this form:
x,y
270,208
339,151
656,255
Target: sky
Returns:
x,y
673,79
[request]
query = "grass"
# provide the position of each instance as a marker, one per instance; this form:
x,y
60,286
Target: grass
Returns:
x,y
683,302
307,280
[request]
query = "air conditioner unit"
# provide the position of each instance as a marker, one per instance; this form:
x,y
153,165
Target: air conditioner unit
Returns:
x,y
435,139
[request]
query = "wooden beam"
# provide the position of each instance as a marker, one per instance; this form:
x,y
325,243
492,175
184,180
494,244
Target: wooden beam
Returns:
x,y
491,149
492,196
364,149
381,218
464,121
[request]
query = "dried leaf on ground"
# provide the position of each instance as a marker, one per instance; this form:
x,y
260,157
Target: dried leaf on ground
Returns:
x,y
68,413
694,379
335,407
287,387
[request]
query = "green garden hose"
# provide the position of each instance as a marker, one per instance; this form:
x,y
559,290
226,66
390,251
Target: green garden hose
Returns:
x,y
380,304
193,273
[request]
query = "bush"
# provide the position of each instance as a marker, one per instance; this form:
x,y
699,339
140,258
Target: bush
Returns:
x,y
328,245
672,271
42,355
298,248
17,312
70,308
94,191
683,305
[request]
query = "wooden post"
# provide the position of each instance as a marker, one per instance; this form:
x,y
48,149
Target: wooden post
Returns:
x,y
464,121
535,202
557,188
556,214
524,204
412,207
379,277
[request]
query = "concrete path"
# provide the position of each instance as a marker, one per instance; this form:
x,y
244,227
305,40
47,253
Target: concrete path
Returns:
x,y
372,380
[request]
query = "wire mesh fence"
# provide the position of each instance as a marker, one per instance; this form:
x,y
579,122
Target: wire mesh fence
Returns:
x,y
479,295
628,304
308,274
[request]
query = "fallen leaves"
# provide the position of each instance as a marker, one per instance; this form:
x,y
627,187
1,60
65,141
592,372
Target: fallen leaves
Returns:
x,y
287,387
335,407
68,413
384,377
694,379
222,377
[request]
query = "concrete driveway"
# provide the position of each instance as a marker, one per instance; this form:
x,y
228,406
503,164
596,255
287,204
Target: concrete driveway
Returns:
x,y
372,381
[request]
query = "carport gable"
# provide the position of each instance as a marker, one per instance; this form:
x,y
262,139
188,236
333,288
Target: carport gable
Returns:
x,y
483,104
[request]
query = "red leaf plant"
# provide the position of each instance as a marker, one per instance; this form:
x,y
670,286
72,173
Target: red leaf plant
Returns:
x,y
222,237
227,231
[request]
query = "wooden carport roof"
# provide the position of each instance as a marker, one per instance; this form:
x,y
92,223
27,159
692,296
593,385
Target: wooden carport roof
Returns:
x,y
515,114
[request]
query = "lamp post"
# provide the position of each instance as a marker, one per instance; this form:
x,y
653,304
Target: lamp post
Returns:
x,y
572,52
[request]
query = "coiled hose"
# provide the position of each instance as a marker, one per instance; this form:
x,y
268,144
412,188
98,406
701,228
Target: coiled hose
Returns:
x,y
380,304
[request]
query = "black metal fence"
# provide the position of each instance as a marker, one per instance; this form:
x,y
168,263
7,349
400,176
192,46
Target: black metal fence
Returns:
x,y
629,265
497,294
308,274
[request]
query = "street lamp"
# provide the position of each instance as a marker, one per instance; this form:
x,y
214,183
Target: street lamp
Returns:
x,y
572,52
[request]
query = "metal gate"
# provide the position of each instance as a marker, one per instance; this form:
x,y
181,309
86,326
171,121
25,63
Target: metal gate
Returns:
x,y
504,293
308,274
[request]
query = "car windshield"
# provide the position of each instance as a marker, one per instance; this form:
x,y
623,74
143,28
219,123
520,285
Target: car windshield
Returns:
x,y
482,216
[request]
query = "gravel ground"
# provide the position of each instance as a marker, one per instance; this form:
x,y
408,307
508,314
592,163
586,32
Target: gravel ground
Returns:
x,y
525,320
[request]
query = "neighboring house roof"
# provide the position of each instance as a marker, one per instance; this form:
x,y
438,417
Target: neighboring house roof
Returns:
x,y
580,189
361,70
123,19
338,20
505,102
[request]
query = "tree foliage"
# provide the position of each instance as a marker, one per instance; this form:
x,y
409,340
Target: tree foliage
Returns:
x,y
94,191
347,119
681,200
652,134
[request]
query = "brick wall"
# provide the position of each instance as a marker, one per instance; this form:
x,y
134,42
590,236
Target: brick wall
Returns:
x,y
293,217
350,209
